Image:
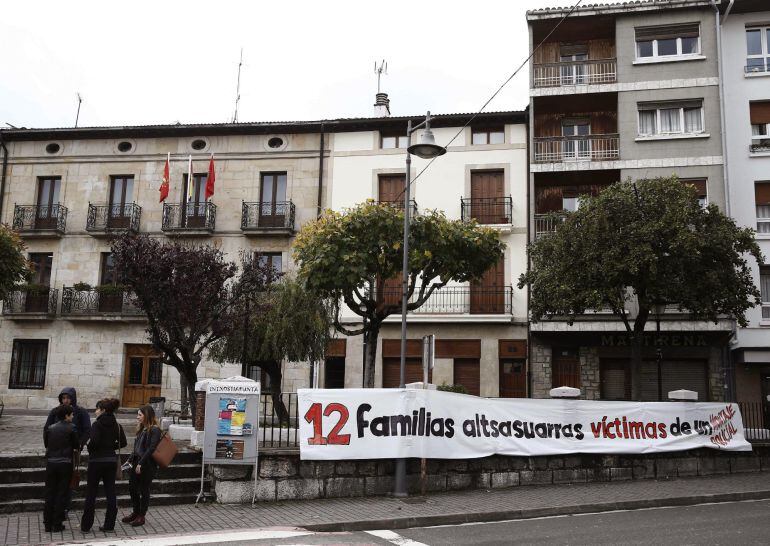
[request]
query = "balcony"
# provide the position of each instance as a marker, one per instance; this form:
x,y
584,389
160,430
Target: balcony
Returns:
x,y
487,210
31,302
577,148
268,218
101,302
189,218
460,300
107,219
562,74
546,223
40,220
400,205
759,148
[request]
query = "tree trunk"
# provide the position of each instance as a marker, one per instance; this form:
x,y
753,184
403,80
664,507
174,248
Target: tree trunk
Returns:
x,y
275,392
184,393
637,343
191,377
371,355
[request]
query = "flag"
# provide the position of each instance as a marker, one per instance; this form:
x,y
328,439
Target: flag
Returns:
x,y
190,177
210,179
164,183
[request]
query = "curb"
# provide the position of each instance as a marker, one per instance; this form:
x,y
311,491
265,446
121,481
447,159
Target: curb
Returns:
x,y
529,513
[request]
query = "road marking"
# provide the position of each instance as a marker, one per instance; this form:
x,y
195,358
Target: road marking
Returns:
x,y
200,538
395,538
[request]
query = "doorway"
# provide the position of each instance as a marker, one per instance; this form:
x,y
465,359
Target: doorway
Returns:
x,y
143,375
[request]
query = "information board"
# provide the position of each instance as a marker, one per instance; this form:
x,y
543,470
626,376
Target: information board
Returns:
x,y
232,422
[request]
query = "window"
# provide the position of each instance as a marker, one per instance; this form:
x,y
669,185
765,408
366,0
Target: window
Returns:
x,y
700,186
28,363
762,202
576,145
273,259
258,373
758,49
121,193
764,288
573,69
668,41
759,115
392,140
108,273
570,201
488,135
675,118
272,200
42,263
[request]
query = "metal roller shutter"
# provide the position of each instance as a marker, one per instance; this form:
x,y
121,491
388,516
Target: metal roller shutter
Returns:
x,y
467,372
685,374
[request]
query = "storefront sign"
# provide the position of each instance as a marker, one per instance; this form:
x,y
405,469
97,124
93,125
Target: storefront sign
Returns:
x,y
337,424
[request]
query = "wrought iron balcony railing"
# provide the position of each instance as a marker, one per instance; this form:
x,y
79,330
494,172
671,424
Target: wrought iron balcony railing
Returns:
x,y
576,148
96,302
546,223
189,217
575,73
760,147
109,218
487,210
31,301
268,216
400,205
758,67
458,300
40,218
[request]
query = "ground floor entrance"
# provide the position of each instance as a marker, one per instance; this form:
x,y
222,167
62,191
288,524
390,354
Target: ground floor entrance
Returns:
x,y
143,375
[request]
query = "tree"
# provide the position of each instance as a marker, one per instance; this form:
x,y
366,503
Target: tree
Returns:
x,y
14,267
285,321
650,241
187,292
346,257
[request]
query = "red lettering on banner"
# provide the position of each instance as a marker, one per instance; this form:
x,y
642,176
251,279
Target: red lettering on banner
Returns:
x,y
315,416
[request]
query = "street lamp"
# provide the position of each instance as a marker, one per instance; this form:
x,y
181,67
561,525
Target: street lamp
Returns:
x,y
426,149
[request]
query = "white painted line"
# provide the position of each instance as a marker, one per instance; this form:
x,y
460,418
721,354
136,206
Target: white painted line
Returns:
x,y
200,538
395,538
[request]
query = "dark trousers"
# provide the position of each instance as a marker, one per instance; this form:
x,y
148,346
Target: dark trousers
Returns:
x,y
104,472
57,485
139,488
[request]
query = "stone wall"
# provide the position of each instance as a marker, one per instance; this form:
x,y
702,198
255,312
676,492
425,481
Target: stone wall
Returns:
x,y
282,476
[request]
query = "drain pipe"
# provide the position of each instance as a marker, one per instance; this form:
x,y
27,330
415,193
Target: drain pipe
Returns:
x,y
718,29
2,176
320,172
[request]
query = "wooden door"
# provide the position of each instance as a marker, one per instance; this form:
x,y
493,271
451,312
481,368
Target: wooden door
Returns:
x,y
121,192
47,214
272,200
487,204
488,293
467,372
391,371
565,368
391,188
143,375
513,378
334,372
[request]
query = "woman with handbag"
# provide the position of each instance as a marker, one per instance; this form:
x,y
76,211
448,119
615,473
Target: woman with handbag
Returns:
x,y
144,467
103,464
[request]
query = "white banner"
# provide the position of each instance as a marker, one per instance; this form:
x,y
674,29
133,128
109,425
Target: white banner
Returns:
x,y
338,424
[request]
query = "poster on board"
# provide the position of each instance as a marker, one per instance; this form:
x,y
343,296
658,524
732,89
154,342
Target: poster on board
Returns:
x,y
232,422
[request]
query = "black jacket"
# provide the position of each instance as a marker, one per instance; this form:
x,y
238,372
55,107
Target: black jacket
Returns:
x,y
81,420
144,446
106,436
60,441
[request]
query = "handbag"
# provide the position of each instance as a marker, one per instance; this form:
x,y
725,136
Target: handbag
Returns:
x,y
75,478
165,452
119,468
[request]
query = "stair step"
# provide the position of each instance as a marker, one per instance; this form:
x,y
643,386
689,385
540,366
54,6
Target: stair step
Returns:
x,y
37,475
28,491
184,456
159,499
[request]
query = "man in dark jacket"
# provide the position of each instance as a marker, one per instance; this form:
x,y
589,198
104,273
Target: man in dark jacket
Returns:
x,y
80,419
60,442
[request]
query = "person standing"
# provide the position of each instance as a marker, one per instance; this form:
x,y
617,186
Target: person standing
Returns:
x,y
61,442
106,436
144,467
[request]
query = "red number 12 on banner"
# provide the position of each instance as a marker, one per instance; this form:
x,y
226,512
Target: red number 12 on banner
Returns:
x,y
315,416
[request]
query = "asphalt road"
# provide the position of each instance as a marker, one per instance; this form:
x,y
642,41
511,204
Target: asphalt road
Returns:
x,y
735,523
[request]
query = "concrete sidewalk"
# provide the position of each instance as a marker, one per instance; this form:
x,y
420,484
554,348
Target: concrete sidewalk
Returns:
x,y
388,513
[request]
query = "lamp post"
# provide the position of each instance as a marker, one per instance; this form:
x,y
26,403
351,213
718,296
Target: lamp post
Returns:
x,y
426,149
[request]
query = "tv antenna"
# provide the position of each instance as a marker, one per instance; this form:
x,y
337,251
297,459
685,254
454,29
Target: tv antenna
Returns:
x,y
77,116
380,70
238,88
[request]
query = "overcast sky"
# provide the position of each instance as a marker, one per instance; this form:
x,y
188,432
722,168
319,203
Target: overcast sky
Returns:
x,y
141,62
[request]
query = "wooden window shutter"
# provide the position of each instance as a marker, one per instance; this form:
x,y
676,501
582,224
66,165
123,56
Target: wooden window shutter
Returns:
x,y
762,193
687,30
759,112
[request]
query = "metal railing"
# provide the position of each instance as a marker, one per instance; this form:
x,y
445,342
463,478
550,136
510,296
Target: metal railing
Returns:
x,y
28,301
120,217
761,147
38,218
96,302
458,300
400,205
546,223
267,215
576,148
757,68
575,73
272,432
756,421
763,219
487,210
189,216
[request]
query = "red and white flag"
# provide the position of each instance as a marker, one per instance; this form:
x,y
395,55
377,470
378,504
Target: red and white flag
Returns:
x,y
210,179
164,185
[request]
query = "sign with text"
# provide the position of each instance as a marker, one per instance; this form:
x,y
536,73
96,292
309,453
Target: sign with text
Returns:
x,y
232,422
337,424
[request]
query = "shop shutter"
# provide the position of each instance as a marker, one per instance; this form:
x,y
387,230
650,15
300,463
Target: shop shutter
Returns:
x,y
391,370
614,379
685,374
649,378
467,372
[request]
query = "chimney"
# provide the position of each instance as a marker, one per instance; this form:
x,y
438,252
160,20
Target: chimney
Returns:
x,y
382,106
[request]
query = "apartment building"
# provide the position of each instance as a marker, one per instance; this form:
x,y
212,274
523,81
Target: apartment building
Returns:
x,y
619,91
745,40
67,190
480,327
